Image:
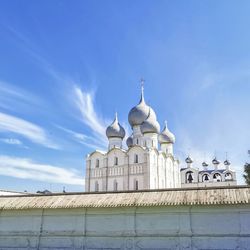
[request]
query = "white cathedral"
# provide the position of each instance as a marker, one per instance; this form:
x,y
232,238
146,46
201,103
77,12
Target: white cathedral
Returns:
x,y
148,162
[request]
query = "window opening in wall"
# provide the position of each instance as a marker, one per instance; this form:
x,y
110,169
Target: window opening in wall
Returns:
x,y
189,177
217,177
136,158
96,186
228,177
136,185
116,161
115,185
205,178
97,163
137,141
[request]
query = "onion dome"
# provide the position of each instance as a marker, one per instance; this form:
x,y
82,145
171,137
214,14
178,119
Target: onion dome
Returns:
x,y
115,129
189,160
204,164
138,114
166,136
227,163
129,141
215,161
150,125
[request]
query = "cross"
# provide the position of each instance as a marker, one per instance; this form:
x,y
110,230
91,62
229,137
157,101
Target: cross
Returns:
x,y
142,81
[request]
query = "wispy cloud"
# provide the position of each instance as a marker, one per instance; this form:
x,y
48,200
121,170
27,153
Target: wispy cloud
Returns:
x,y
27,169
84,101
11,141
86,140
12,96
26,129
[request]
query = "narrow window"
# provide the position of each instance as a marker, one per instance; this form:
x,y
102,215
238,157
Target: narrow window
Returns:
x,y
137,141
136,185
136,158
96,186
115,185
97,163
116,161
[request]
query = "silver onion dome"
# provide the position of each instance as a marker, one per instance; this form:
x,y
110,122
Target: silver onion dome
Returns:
x,y
188,160
150,125
115,129
227,163
215,161
138,114
166,136
204,164
129,141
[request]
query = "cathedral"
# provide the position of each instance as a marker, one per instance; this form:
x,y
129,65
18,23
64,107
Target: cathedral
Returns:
x,y
148,161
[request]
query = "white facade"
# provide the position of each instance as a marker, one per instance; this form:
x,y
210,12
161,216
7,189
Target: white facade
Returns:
x,y
147,163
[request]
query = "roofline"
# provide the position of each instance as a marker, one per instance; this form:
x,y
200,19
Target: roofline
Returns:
x,y
132,191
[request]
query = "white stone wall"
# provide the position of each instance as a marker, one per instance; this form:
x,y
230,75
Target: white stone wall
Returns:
x,y
180,227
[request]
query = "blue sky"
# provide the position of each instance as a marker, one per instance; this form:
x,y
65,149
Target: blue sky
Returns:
x,y
66,67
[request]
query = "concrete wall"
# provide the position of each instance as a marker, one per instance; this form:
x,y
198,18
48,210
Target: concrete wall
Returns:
x,y
197,227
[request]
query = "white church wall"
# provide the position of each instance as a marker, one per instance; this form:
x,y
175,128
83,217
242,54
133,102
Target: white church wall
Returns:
x,y
174,227
97,160
136,150
115,152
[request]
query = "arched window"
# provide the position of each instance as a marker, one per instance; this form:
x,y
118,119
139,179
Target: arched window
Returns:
x,y
136,185
189,177
97,163
205,178
136,160
217,177
137,141
116,160
115,185
228,177
96,186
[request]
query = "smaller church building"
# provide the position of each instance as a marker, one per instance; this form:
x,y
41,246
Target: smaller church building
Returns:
x,y
148,161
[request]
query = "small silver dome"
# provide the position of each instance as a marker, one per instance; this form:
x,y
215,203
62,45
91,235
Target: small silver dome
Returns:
x,y
115,129
204,164
138,114
227,163
215,161
166,136
129,141
189,160
150,125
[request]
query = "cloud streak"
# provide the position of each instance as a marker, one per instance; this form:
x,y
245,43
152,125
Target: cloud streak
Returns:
x,y
11,97
82,138
11,141
27,169
84,101
26,129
